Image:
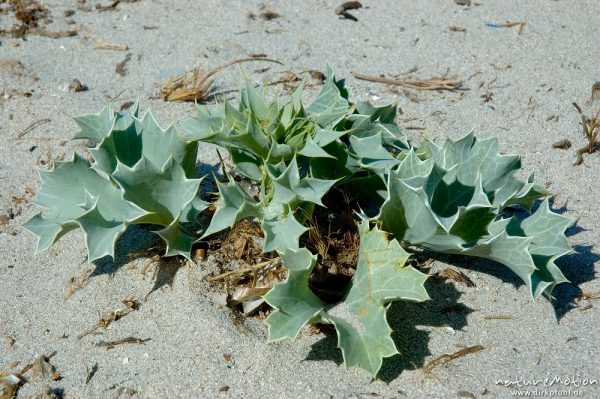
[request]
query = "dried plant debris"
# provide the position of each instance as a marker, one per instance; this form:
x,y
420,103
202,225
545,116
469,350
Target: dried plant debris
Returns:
x,y
249,294
12,381
251,278
244,241
591,130
563,144
30,14
463,2
42,369
434,83
121,67
291,80
126,105
50,393
105,320
10,341
127,340
342,10
457,276
449,357
243,271
268,15
12,67
455,28
586,296
32,17
317,75
77,87
196,86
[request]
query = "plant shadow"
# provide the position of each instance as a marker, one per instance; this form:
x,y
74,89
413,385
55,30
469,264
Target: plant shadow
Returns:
x,y
578,268
444,309
133,244
403,317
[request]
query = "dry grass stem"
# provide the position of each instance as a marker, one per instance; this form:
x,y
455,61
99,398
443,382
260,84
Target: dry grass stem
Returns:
x,y
449,357
32,126
196,86
101,43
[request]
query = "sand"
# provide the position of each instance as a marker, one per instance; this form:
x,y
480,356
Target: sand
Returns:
x,y
518,87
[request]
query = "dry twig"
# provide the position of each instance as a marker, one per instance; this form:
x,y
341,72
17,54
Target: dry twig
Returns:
x,y
433,83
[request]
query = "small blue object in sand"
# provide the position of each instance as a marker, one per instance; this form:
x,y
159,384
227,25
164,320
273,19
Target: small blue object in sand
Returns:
x,y
496,26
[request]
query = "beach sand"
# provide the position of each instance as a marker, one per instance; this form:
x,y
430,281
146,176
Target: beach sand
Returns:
x,y
517,86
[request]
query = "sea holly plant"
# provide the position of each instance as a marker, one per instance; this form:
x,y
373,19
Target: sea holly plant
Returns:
x,y
308,175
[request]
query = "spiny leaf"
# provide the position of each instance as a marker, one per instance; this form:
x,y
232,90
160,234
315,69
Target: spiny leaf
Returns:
x,y
330,105
289,188
295,303
65,194
164,194
95,127
235,204
364,335
449,203
282,232
179,241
